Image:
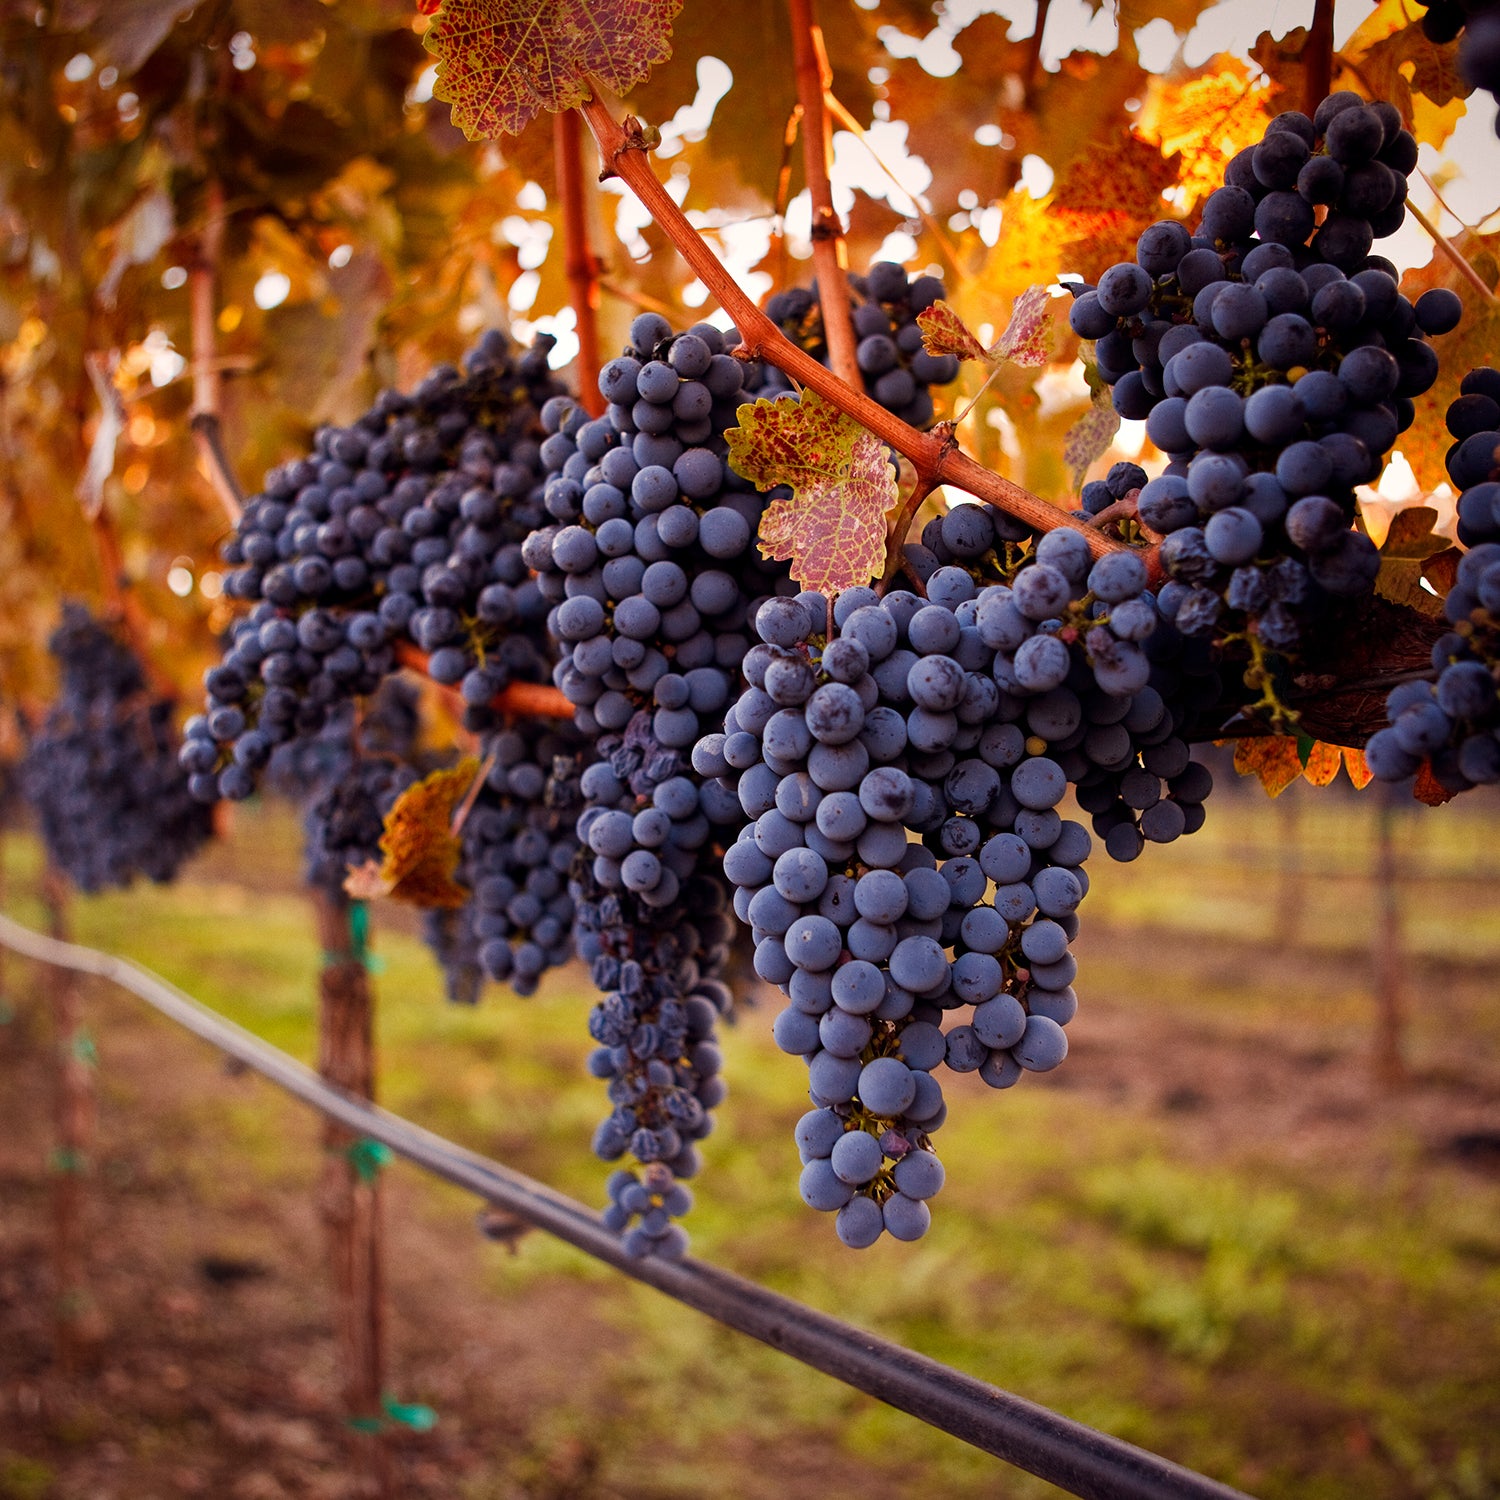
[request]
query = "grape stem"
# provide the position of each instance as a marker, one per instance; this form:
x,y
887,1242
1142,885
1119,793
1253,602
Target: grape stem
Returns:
x,y
525,700
580,263
783,193
1317,58
896,539
207,429
623,149
1453,253
830,259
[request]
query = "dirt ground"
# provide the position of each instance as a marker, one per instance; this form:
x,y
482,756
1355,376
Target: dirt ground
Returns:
x,y
213,1370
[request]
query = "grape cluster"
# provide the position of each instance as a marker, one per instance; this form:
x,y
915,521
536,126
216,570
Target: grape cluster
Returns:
x,y
898,373
655,1027
1452,722
344,824
102,773
1473,462
1112,686
518,844
650,570
837,751
347,778
1273,360
404,527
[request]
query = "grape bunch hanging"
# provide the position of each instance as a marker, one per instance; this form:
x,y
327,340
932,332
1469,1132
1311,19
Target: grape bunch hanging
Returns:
x,y
101,772
869,789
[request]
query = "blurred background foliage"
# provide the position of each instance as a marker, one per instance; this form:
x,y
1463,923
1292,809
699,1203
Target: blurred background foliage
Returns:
x,y
1002,143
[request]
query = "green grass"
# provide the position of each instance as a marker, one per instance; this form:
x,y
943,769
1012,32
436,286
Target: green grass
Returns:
x,y
1300,1326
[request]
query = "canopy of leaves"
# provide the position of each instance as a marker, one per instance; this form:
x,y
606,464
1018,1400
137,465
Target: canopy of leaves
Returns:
x,y
365,239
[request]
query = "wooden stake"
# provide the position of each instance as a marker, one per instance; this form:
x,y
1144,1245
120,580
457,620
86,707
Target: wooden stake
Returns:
x,y
1388,961
349,1195
77,1324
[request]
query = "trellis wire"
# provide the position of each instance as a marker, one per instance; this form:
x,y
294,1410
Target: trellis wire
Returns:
x,y
1069,1454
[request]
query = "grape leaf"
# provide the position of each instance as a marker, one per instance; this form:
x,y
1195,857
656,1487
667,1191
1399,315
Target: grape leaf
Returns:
x,y
1090,436
1359,773
1400,581
501,62
1472,343
1441,570
1108,196
944,332
1026,336
1206,120
420,851
1428,790
832,530
1322,763
1273,761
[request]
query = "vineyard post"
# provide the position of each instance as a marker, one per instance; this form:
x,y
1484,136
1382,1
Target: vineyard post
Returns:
x,y
75,1319
349,1190
1288,927
349,1193
1387,957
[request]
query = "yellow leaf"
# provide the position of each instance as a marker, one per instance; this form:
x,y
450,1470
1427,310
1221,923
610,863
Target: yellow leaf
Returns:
x,y
1273,761
1207,120
419,848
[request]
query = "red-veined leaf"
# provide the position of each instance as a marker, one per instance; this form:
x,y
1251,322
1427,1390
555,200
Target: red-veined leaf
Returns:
x,y
944,332
832,530
1028,334
501,62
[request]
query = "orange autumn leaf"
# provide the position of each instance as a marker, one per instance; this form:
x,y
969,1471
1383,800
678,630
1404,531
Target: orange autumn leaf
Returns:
x,y
1273,761
1207,120
419,849
1359,773
1323,762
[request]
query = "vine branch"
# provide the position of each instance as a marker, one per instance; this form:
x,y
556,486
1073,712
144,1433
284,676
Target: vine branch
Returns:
x,y
207,428
525,700
814,81
1317,58
579,262
784,191
624,155
1454,254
